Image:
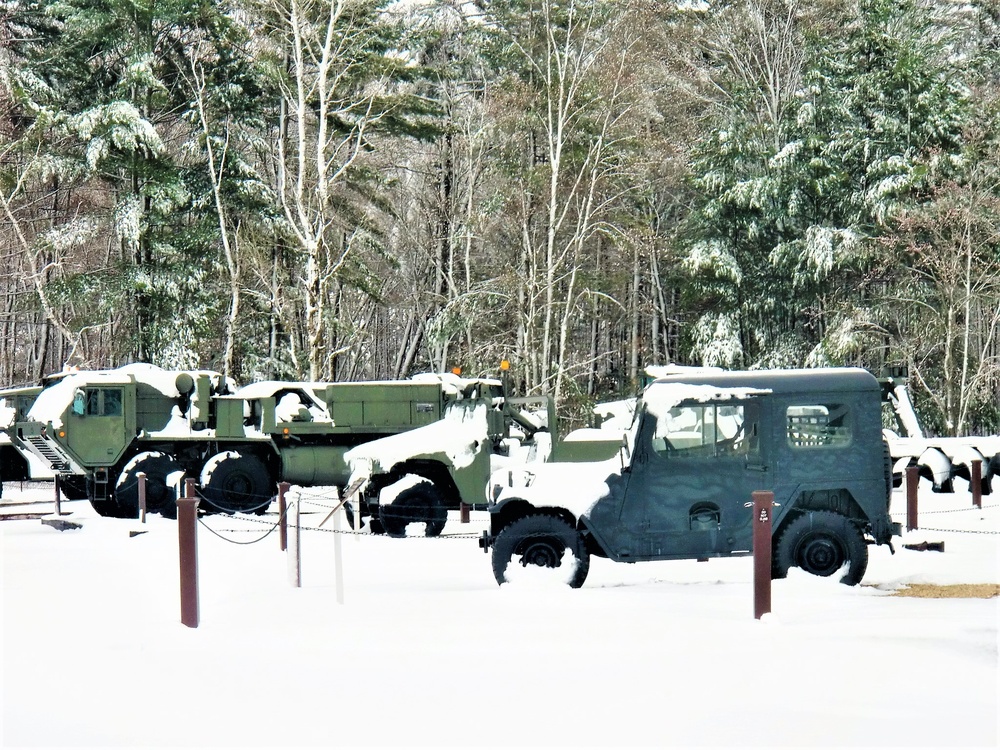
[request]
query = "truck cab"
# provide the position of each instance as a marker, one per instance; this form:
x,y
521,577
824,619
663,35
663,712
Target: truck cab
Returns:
x,y
699,445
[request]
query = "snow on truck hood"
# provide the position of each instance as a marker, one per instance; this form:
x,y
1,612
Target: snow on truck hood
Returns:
x,y
459,435
576,486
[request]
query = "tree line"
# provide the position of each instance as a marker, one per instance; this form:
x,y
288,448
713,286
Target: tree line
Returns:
x,y
354,189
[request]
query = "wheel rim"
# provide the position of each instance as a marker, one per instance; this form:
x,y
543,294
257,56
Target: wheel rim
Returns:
x,y
544,553
820,555
238,488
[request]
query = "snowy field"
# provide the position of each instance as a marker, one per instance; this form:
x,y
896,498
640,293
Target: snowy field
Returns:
x,y
426,649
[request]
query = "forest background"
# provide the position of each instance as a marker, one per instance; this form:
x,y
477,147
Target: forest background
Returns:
x,y
354,189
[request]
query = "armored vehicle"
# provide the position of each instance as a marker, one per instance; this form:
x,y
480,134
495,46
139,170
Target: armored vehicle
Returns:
x,y
699,445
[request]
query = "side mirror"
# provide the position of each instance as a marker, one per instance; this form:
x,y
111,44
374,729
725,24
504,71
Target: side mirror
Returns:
x,y
79,402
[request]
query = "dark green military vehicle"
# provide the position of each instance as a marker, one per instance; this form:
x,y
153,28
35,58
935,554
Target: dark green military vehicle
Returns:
x,y
699,445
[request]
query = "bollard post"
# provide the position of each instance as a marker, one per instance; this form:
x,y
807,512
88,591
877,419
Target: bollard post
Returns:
x,y
338,557
187,543
463,512
976,482
58,498
912,479
282,519
763,503
141,478
293,556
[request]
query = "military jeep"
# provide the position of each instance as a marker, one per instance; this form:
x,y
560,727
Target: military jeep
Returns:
x,y
699,445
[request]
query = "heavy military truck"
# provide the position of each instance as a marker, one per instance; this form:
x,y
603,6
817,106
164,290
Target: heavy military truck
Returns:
x,y
14,404
104,428
699,445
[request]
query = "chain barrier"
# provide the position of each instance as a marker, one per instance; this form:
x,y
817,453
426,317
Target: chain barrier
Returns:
x,y
950,510
346,532
959,531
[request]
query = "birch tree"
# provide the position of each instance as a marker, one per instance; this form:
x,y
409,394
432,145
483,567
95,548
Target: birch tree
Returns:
x,y
336,77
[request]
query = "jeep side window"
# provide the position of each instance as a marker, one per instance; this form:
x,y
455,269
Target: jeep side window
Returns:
x,y
705,430
818,426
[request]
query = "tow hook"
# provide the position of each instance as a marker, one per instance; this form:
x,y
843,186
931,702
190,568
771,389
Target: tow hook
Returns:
x,y
485,541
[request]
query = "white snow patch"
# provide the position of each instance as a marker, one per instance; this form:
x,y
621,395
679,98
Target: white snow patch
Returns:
x,y
93,613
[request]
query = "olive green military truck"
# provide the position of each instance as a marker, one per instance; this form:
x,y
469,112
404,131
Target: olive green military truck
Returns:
x,y
101,429
699,445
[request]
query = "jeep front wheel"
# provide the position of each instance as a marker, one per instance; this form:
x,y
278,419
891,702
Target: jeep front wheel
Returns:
x,y
541,542
822,543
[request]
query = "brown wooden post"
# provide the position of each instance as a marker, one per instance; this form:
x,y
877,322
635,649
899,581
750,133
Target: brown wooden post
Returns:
x,y
282,516
187,542
912,479
141,478
463,510
763,503
976,482
58,490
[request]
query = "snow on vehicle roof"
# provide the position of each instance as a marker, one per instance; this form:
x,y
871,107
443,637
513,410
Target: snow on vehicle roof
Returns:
x,y
662,371
53,401
659,398
268,388
459,435
453,385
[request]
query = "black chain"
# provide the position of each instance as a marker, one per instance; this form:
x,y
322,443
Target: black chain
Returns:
x,y
958,531
950,510
347,532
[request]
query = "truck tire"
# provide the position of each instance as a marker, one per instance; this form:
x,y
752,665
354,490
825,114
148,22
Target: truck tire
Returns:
x,y
233,482
421,503
821,543
542,541
160,496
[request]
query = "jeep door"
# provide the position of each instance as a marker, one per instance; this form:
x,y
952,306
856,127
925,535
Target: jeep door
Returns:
x,y
693,471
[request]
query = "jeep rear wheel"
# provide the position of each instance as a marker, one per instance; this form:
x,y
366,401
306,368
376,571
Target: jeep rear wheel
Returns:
x,y
822,543
542,542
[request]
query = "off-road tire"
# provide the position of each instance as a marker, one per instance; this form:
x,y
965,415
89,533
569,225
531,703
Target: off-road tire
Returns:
x,y
820,542
540,540
160,498
233,482
421,503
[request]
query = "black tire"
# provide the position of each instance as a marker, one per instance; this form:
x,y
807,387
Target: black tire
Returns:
x,y
820,543
160,496
421,503
232,482
540,540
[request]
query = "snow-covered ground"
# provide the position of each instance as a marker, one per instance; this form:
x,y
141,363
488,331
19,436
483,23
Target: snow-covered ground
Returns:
x,y
426,649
